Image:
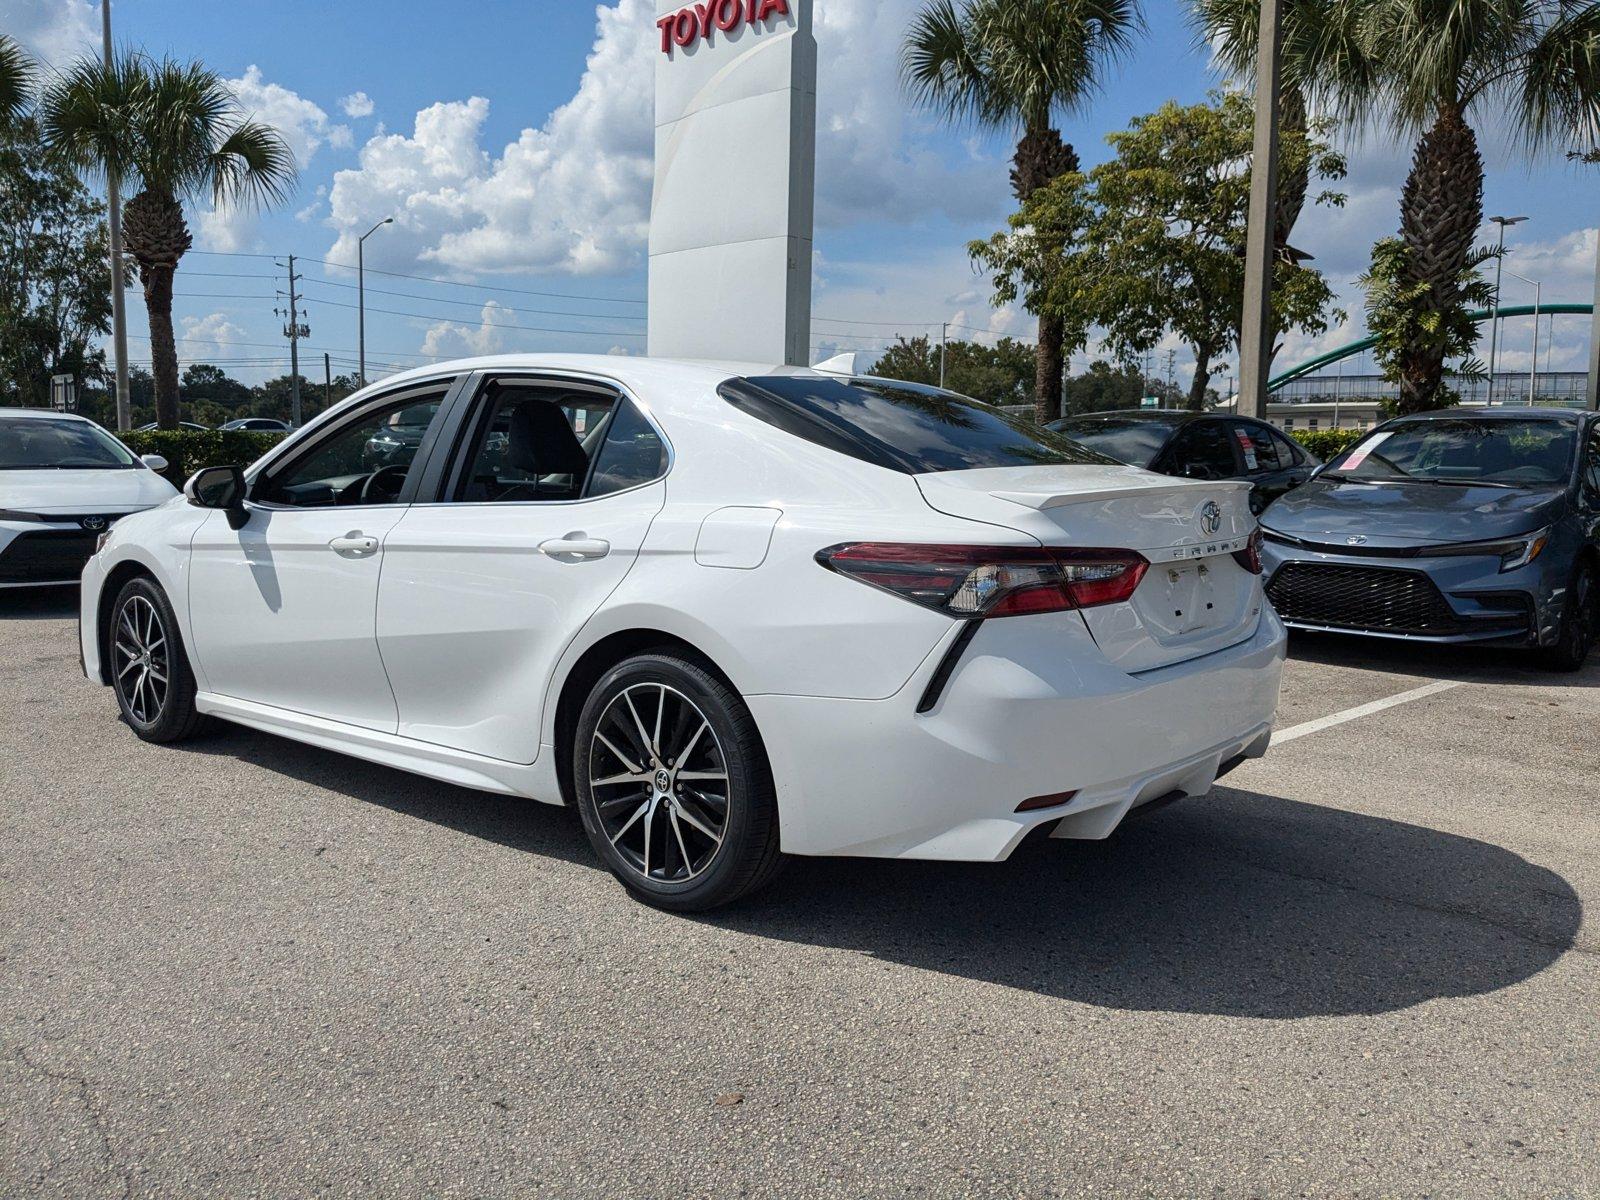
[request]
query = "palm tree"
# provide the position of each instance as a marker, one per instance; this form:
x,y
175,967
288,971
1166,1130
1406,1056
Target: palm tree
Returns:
x,y
1536,62
175,131
16,80
1016,64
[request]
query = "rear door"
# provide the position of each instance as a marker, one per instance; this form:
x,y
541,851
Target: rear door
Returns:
x,y
1270,470
548,496
1202,449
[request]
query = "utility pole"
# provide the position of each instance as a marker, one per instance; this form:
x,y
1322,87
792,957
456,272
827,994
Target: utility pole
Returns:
x,y
119,303
944,331
1172,358
294,331
361,298
1255,332
327,382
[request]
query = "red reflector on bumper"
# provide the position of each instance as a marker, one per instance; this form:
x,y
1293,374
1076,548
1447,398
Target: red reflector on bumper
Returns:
x,y
1055,800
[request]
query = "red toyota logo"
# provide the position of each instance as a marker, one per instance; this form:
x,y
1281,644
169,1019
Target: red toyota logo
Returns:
x,y
696,22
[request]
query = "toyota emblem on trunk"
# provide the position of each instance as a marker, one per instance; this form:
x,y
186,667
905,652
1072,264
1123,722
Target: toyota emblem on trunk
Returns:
x,y
1356,539
1210,518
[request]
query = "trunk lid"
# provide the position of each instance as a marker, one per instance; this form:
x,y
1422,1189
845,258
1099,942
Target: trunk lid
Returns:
x,y
1196,598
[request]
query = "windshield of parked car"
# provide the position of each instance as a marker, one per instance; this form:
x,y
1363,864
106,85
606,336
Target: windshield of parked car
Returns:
x,y
45,443
1126,439
903,426
1504,452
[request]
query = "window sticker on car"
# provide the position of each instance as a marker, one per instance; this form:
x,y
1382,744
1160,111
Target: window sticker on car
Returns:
x,y
1359,454
1249,448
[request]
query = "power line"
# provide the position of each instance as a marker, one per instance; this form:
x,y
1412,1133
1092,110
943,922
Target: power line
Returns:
x,y
547,312
607,333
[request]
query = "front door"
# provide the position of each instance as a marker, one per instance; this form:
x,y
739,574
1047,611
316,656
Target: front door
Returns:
x,y
283,610
539,520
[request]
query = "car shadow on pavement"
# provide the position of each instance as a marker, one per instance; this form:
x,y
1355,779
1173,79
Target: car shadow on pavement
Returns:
x,y
1467,663
39,604
1239,904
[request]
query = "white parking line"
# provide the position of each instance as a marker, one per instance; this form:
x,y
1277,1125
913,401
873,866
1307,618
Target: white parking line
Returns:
x,y
1364,710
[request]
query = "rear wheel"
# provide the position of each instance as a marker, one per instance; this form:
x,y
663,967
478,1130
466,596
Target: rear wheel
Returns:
x,y
149,670
1580,620
673,785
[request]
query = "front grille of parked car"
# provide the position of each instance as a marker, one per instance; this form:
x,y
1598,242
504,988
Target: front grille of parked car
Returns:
x,y
1370,598
47,556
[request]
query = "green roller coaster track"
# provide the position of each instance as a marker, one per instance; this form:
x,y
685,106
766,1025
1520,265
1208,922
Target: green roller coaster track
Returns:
x,y
1365,344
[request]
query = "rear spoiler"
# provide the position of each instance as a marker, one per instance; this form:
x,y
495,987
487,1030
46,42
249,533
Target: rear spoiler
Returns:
x,y
1042,501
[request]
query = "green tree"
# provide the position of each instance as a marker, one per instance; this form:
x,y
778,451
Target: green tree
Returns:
x,y
1107,388
202,381
1532,63
53,248
998,374
175,131
16,80
1016,64
1154,238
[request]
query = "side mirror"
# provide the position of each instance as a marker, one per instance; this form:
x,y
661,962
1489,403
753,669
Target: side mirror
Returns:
x,y
154,461
222,488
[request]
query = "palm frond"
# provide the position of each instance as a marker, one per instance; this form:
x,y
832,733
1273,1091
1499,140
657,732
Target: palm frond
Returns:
x,y
17,76
89,114
253,166
940,64
1558,95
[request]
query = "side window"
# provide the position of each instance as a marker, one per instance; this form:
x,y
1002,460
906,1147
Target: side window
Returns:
x,y
1289,454
532,443
632,454
1201,450
365,462
1256,446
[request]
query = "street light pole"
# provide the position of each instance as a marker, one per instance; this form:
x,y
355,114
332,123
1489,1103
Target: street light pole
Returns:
x,y
119,302
1494,319
1538,296
1594,336
361,296
1255,330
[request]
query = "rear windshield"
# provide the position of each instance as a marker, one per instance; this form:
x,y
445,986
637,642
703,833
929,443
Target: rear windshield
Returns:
x,y
1126,439
1507,452
45,443
905,427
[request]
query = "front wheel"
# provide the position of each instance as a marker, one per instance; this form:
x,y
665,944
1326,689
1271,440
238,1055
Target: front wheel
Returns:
x,y
1580,619
149,670
673,785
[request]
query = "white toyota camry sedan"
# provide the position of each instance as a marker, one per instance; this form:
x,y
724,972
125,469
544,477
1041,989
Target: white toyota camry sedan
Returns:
x,y
729,612
63,482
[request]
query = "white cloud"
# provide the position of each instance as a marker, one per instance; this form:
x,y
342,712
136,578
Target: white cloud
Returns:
x,y
573,195
204,338
357,105
54,31
305,127
450,339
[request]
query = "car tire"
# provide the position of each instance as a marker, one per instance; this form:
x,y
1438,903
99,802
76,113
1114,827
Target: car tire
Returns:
x,y
1580,620
150,671
673,785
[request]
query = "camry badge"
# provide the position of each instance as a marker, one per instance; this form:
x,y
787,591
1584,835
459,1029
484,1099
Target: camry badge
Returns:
x,y
1210,518
1356,539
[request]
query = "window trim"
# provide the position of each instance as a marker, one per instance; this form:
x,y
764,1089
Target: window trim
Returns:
x,y
467,412
265,472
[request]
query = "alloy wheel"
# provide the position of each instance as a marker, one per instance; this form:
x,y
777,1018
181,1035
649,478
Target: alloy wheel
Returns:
x,y
659,783
141,659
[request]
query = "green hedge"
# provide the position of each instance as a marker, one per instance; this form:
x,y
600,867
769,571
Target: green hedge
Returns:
x,y
187,450
1327,443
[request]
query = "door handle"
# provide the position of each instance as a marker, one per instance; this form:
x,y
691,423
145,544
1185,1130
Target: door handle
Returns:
x,y
354,545
575,548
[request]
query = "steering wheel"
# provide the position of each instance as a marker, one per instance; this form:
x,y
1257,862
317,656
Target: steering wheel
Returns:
x,y
393,477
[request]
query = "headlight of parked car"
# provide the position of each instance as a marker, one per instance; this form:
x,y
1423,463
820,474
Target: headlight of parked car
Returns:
x,y
1514,552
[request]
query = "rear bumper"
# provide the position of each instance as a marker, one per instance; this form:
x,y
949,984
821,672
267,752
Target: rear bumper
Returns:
x,y
1021,717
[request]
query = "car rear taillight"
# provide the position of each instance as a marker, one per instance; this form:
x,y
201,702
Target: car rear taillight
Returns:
x,y
991,581
1250,557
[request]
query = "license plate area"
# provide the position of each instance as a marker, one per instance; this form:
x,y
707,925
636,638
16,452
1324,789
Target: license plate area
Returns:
x,y
1188,597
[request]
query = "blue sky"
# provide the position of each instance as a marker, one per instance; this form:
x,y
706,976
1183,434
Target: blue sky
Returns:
x,y
512,142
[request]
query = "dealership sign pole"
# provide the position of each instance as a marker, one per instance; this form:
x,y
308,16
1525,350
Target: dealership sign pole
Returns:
x,y
1256,332
732,209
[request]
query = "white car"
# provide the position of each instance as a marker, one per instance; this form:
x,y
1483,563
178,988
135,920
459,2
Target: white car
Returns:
x,y
63,482
726,611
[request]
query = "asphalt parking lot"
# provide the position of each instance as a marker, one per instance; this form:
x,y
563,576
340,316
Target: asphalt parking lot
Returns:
x,y
1362,968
